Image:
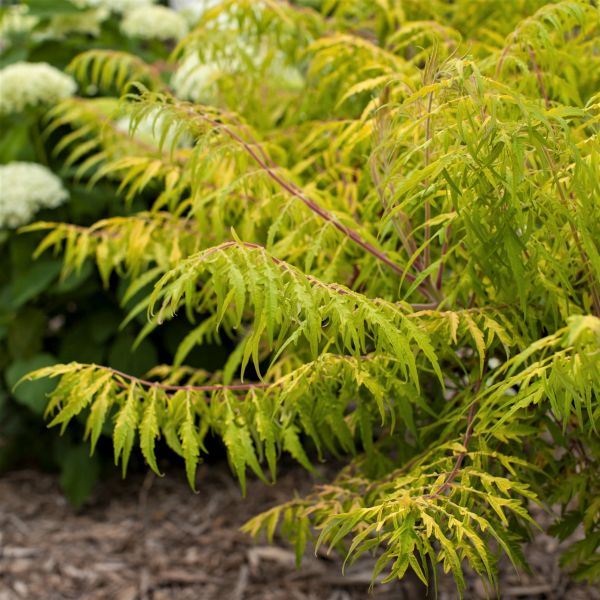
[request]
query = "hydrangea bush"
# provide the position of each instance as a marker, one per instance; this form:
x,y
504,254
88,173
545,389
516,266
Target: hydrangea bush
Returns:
x,y
45,319
31,85
27,188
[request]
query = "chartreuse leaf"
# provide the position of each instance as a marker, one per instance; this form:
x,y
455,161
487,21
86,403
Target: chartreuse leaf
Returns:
x,y
126,423
149,430
292,444
240,448
188,435
97,417
266,428
477,336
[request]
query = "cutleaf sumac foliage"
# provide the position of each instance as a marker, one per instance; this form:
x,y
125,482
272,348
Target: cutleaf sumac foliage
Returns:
x,y
392,212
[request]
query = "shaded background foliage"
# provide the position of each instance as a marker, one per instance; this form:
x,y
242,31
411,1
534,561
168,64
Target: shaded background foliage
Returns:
x,y
46,319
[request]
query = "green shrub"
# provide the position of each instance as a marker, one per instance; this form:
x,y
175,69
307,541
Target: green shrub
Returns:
x,y
392,211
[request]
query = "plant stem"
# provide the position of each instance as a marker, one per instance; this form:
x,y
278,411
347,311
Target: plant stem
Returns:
x,y
427,158
189,388
445,245
582,253
538,74
295,191
375,162
338,289
461,457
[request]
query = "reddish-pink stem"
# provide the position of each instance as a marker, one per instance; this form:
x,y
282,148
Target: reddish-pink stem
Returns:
x,y
236,387
295,191
540,79
440,274
461,457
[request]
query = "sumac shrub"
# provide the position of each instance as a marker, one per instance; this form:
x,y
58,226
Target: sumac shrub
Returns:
x,y
390,211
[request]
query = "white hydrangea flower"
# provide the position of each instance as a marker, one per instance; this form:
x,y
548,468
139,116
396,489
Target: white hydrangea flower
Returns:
x,y
15,20
149,131
117,6
192,10
154,22
26,188
494,363
193,80
25,84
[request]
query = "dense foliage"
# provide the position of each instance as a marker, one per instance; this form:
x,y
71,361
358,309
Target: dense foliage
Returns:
x,y
45,319
391,212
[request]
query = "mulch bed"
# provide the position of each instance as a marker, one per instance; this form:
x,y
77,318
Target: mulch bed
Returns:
x,y
150,538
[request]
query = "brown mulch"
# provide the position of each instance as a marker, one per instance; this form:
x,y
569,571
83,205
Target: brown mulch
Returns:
x,y
153,539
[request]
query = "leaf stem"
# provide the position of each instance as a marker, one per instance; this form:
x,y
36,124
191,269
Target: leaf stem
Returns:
x,y
461,457
538,74
582,253
440,274
427,159
295,191
236,387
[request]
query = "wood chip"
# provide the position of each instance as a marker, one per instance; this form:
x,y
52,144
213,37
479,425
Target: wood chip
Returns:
x,y
134,542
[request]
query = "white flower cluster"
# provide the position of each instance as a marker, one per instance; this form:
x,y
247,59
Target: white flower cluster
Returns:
x,y
193,80
192,10
154,22
25,84
117,6
26,188
15,20
149,130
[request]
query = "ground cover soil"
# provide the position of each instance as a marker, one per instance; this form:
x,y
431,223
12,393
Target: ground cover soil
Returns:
x,y
151,538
